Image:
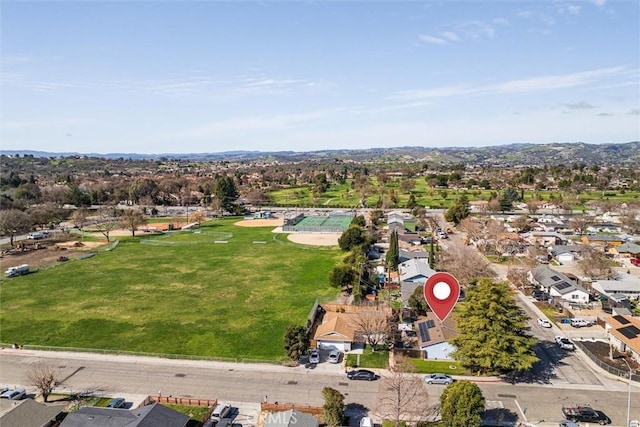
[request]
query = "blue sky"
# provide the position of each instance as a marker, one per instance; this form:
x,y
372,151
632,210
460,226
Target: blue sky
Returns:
x,y
212,76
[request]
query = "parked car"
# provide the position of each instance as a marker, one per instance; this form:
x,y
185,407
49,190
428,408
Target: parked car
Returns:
x,y
314,357
117,402
635,261
580,413
567,423
564,343
540,295
16,394
220,411
362,374
580,323
437,379
544,323
334,356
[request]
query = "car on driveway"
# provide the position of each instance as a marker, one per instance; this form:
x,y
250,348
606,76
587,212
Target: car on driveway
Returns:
x,y
544,323
314,357
362,374
334,356
564,343
117,402
437,379
16,394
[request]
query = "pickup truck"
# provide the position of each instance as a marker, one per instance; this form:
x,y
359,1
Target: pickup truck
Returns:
x,y
564,343
582,413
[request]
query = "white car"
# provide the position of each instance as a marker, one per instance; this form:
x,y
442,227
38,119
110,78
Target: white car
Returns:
x,y
16,394
314,357
564,343
334,356
544,323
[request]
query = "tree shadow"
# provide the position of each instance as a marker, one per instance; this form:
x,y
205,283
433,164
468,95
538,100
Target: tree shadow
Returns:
x,y
550,356
499,417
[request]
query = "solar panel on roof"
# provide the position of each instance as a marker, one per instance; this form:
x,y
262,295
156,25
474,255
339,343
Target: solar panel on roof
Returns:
x,y
634,329
630,332
562,285
424,331
555,278
431,324
621,319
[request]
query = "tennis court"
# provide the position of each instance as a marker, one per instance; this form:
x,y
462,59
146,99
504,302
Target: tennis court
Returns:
x,y
319,224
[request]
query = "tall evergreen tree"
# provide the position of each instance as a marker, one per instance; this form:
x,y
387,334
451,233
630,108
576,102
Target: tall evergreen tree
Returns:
x,y
493,330
459,210
393,254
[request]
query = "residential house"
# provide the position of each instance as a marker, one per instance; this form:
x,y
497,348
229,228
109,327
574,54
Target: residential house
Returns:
x,y
566,253
624,334
546,238
625,286
604,227
558,285
405,255
415,270
602,240
336,332
154,415
29,413
290,418
434,335
627,250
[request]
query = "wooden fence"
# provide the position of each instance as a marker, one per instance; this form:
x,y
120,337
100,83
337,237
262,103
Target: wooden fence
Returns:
x,y
279,407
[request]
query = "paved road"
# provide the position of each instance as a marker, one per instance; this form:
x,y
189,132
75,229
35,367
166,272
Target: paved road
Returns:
x,y
111,375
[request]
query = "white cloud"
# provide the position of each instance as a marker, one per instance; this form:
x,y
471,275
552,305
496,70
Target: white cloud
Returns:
x,y
450,35
599,3
582,105
477,29
634,112
432,40
531,84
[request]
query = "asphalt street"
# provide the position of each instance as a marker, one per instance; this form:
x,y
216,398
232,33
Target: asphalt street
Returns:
x,y
116,375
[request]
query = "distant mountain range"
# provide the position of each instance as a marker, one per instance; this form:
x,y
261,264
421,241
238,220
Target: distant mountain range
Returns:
x,y
625,154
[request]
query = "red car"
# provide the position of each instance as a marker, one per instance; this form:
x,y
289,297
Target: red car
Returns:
x,y
635,261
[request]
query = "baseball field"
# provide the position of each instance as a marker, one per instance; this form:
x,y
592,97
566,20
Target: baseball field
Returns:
x,y
219,291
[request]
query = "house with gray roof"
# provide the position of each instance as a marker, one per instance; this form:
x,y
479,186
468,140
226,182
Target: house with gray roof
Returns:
x,y
625,286
290,418
566,253
407,289
628,249
414,270
154,415
29,413
405,255
558,285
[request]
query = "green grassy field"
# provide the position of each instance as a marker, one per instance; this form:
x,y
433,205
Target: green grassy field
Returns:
x,y
342,195
184,295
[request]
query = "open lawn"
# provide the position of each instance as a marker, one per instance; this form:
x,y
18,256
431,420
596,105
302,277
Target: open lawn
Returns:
x,y
185,293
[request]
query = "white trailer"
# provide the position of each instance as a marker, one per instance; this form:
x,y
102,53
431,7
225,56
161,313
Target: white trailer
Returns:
x,y
17,270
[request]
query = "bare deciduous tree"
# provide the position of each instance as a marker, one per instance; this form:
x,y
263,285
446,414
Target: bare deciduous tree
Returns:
x,y
465,264
579,223
44,376
132,219
402,396
198,216
374,326
595,265
107,221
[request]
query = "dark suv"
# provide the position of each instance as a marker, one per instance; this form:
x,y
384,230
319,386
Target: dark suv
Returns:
x,y
362,374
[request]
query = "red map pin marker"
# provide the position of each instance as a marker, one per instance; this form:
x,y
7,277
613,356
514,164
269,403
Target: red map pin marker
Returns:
x,y
441,291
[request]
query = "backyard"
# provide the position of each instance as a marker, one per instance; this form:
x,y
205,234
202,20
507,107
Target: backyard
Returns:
x,y
221,291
